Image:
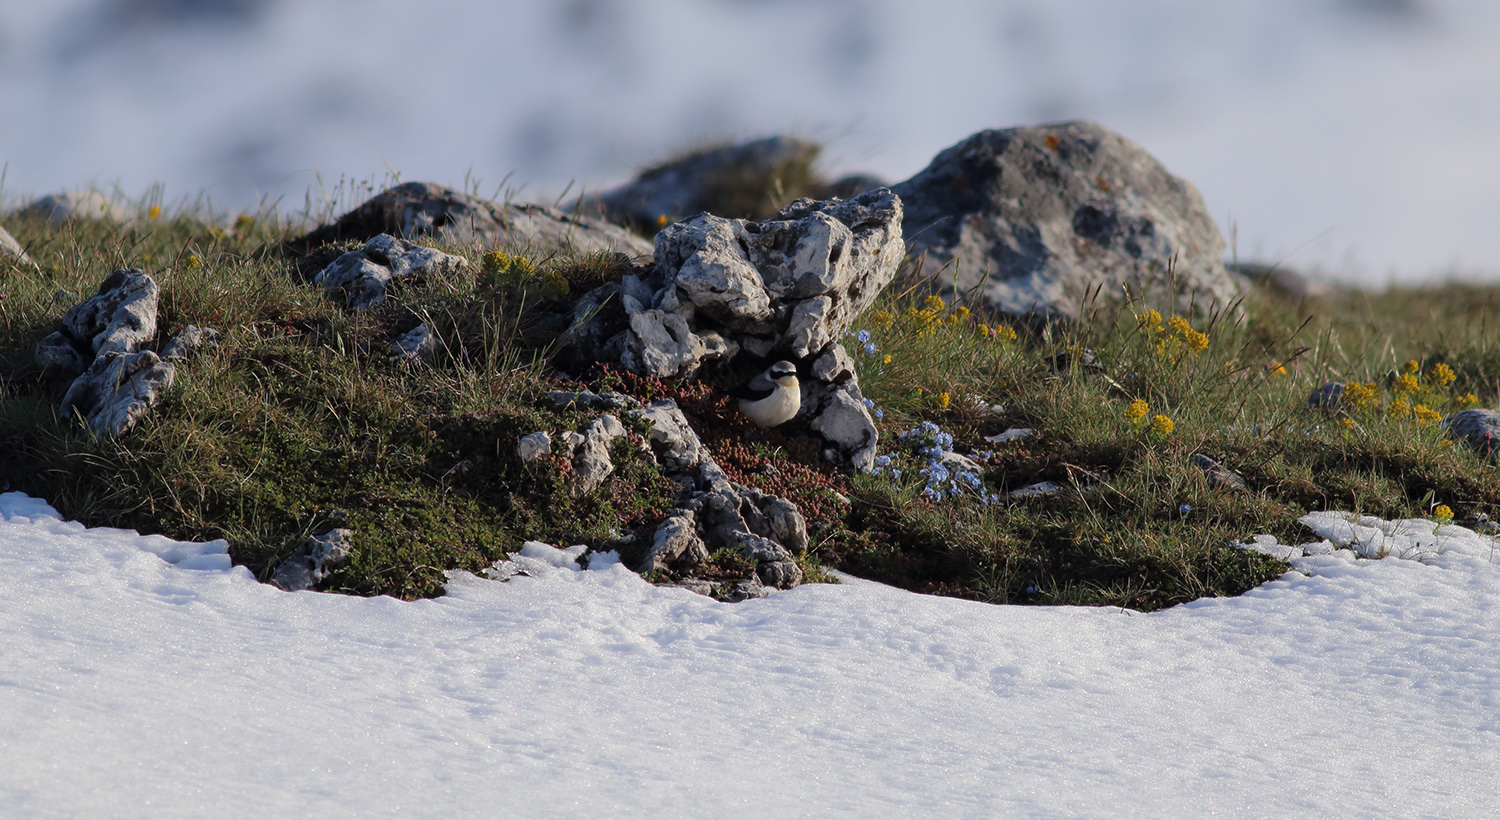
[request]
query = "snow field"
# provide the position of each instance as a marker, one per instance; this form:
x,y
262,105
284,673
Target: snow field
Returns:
x,y
133,687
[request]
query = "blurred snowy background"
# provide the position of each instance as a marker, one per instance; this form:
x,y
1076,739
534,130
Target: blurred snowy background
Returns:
x,y
1357,138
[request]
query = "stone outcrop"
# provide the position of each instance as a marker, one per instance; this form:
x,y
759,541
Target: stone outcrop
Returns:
x,y
711,512
424,210
1480,429
363,275
313,560
703,181
1035,217
789,287
11,249
714,513
113,381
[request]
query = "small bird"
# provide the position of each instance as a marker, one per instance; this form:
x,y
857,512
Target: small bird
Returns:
x,y
773,397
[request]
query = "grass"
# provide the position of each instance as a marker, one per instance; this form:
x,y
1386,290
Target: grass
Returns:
x,y
301,421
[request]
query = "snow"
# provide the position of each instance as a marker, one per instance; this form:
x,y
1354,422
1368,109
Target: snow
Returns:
x,y
131,686
1354,137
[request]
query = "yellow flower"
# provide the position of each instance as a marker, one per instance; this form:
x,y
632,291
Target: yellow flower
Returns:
x,y
882,319
244,223
1277,368
1442,376
661,221
961,312
1136,411
1161,426
1411,366
886,360
1347,422
496,261
1179,326
1400,408
153,213
194,263
1150,320
1426,415
1360,395
1406,383
1443,514
1005,333
935,304
1469,398
1196,341
944,399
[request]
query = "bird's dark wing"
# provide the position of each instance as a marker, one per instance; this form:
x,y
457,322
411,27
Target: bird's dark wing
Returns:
x,y
750,391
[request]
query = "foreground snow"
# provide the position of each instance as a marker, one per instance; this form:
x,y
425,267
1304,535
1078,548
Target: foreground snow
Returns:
x,y
133,687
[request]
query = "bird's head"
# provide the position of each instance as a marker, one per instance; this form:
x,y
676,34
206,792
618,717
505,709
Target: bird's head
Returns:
x,y
783,373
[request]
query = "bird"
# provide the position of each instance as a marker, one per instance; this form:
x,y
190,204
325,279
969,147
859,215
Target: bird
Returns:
x,y
773,397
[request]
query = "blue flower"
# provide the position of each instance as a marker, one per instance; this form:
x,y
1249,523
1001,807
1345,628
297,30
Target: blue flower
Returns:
x,y
1185,509
869,348
863,336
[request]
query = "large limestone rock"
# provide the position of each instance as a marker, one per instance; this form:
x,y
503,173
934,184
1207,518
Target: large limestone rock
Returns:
x,y
12,250
787,288
1036,216
712,180
422,209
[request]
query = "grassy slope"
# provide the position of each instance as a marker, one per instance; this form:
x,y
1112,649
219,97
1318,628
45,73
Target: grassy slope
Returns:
x,y
301,421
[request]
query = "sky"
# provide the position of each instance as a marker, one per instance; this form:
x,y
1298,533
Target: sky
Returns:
x,y
1353,138
146,678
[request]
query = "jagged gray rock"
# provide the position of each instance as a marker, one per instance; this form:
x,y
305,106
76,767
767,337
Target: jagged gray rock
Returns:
x,y
591,462
1036,216
422,209
715,513
118,318
788,287
362,275
89,204
190,342
533,446
418,345
117,390
699,181
11,249
313,560
589,400
1478,428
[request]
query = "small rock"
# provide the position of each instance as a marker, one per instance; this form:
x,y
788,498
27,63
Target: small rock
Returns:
x,y
1326,397
76,205
698,585
118,390
588,400
676,543
190,342
363,275
1011,435
1040,488
419,344
591,462
1480,429
1217,473
748,590
314,560
11,249
118,318
533,446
